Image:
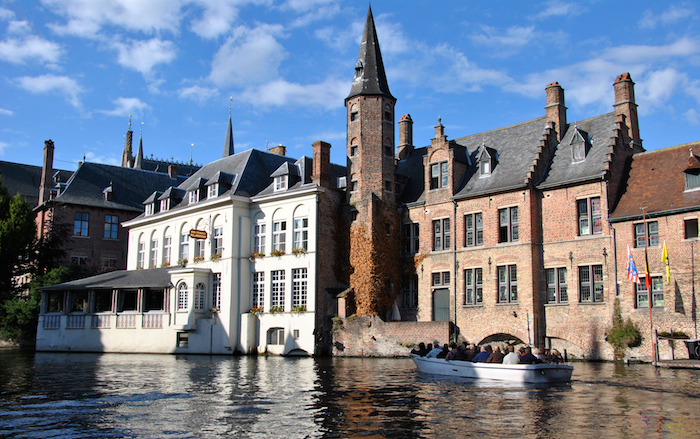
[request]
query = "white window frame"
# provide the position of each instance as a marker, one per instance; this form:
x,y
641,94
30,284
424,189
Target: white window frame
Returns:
x,y
301,233
182,297
217,240
213,190
657,292
154,253
588,284
439,175
216,291
652,234
299,286
281,182
277,290
259,237
473,229
259,289
508,227
141,256
473,286
557,285
184,245
167,249
165,205
200,291
442,234
279,235
507,276
589,221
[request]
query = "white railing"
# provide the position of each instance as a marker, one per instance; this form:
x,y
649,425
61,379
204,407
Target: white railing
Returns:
x,y
100,321
76,321
52,321
152,321
126,320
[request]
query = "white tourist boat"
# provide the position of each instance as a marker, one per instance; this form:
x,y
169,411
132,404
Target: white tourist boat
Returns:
x,y
516,373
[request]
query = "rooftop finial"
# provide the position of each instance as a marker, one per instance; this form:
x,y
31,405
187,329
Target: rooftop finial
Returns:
x,y
129,122
191,147
230,100
141,133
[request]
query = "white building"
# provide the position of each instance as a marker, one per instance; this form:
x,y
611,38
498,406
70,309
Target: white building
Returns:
x,y
239,257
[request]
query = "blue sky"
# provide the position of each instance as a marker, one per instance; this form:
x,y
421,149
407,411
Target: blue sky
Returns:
x,y
76,69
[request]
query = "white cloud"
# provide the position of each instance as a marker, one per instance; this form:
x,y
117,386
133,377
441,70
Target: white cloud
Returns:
x,y
3,145
7,14
281,93
86,18
19,51
312,11
671,15
515,36
47,83
126,107
143,56
216,19
94,158
658,87
684,47
197,93
556,8
693,117
5,112
249,56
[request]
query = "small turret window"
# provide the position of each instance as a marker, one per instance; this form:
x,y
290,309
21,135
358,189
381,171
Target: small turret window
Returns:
x,y
354,115
387,113
388,148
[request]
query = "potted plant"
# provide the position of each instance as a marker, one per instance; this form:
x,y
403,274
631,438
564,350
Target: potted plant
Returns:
x,y
255,255
298,251
215,257
198,259
298,309
256,310
182,262
214,310
276,309
277,253
165,264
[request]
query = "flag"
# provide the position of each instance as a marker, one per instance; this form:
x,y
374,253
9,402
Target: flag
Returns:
x,y
632,273
664,259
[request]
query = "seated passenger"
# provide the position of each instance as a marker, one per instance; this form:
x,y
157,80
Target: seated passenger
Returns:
x,y
454,352
421,350
543,355
496,356
511,357
482,356
556,357
436,349
445,351
526,356
469,353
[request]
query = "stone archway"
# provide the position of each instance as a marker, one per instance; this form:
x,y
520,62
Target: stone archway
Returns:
x,y
502,338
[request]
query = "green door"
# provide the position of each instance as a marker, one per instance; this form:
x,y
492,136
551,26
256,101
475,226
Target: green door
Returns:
x,y
441,305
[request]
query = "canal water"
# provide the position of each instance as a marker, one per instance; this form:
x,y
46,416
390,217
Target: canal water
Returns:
x,y
47,395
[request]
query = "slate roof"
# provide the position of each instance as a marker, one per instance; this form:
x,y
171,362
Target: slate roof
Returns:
x,y
657,181
370,77
130,186
563,170
122,279
25,180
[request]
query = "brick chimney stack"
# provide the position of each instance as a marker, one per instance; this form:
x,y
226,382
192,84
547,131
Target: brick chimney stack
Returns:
x,y
279,150
556,109
321,174
46,173
172,171
405,136
625,105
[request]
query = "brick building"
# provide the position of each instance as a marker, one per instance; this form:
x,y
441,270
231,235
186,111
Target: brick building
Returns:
x,y
506,233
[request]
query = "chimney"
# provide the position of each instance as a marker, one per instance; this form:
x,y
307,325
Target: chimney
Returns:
x,y
626,106
556,109
172,171
279,150
405,136
46,172
321,174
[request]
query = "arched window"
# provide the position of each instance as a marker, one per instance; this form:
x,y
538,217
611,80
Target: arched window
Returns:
x,y
259,230
184,243
167,247
354,115
199,292
300,230
387,112
141,256
182,297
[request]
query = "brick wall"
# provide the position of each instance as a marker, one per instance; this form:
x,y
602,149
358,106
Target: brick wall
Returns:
x,y
370,336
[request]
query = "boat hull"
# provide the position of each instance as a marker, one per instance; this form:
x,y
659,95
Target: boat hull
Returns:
x,y
516,373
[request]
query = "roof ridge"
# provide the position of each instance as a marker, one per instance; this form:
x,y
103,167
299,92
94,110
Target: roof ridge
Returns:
x,y
668,148
502,128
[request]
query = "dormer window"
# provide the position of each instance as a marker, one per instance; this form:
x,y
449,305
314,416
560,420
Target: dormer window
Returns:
x,y
165,205
486,160
281,182
150,208
580,145
194,196
213,190
692,180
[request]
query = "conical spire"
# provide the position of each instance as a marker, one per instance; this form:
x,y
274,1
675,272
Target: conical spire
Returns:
x,y
228,144
370,78
127,158
139,153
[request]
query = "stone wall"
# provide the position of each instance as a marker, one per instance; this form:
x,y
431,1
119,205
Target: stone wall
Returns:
x,y
372,337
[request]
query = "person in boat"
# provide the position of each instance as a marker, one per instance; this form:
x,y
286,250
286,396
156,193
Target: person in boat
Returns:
x,y
526,356
496,356
482,356
543,355
436,349
556,357
468,353
445,351
454,352
421,350
511,357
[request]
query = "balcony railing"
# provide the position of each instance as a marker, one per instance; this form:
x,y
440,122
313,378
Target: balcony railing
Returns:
x,y
101,321
52,321
152,321
76,321
126,321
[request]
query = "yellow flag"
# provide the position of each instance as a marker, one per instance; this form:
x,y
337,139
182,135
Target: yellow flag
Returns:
x,y
664,259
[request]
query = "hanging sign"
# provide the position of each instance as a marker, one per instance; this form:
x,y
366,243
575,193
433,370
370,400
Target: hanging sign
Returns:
x,y
198,234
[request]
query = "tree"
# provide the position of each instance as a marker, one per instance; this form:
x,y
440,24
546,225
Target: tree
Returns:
x,y
24,257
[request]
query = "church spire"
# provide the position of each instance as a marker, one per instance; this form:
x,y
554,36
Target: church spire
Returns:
x,y
139,153
370,78
127,158
228,144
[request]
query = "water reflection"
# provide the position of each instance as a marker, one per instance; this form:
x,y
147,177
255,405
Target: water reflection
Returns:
x,y
111,395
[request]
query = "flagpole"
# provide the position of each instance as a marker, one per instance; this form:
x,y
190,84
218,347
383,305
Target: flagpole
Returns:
x,y
647,282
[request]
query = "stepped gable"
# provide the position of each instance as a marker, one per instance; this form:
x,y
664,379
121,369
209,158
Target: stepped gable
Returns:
x,y
130,186
657,181
563,169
